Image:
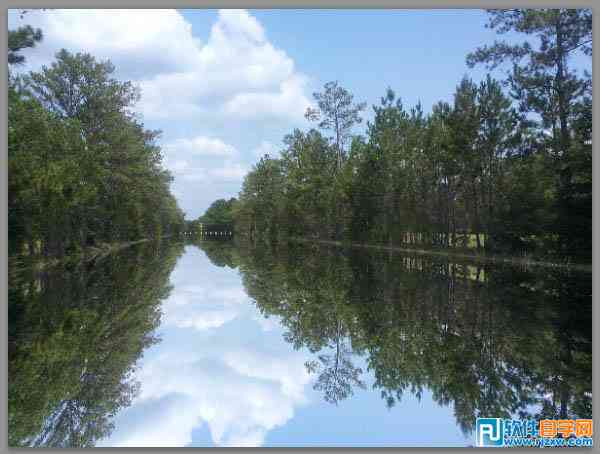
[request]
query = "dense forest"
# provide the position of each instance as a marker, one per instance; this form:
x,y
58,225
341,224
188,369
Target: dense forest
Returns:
x,y
506,168
484,339
83,171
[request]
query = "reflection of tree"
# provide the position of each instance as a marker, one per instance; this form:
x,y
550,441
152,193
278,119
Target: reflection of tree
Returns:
x,y
76,332
490,340
220,252
337,375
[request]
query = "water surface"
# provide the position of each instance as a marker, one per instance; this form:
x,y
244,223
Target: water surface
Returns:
x,y
220,344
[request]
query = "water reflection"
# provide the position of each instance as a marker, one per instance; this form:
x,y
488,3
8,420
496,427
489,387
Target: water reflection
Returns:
x,y
75,334
492,340
221,375
303,345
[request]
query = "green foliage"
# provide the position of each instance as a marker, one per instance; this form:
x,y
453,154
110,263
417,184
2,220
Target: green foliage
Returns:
x,y
553,95
502,172
219,212
19,39
337,113
82,169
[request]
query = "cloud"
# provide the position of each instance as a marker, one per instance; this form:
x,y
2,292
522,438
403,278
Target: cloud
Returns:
x,y
289,100
204,159
140,42
238,73
266,147
229,172
200,145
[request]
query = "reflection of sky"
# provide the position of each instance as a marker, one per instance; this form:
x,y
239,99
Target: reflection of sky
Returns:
x,y
222,375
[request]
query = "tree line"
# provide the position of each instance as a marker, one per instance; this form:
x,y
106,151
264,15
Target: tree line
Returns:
x,y
219,213
82,169
506,167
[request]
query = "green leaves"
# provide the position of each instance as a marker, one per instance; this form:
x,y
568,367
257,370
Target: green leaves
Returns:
x,y
83,169
19,39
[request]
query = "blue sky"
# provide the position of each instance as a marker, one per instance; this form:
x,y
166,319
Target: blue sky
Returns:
x,y
226,86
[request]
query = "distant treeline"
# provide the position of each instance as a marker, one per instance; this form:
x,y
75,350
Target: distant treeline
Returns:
x,y
506,167
220,212
82,170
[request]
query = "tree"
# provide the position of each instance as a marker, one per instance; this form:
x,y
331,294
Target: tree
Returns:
x,y
338,113
497,140
543,83
219,212
19,39
84,171
77,86
260,198
309,165
546,87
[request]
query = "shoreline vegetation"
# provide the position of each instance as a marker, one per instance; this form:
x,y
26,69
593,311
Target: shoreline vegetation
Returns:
x,y
459,254
40,262
505,170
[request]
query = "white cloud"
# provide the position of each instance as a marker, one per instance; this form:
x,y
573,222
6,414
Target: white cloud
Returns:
x,y
229,172
204,159
200,145
237,73
289,100
140,42
266,147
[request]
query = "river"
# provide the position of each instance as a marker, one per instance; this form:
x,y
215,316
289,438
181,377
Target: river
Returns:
x,y
215,343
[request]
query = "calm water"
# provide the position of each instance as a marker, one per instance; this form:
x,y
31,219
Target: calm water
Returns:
x,y
213,344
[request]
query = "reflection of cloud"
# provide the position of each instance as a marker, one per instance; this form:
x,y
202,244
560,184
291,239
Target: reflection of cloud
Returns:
x,y
268,323
227,371
203,307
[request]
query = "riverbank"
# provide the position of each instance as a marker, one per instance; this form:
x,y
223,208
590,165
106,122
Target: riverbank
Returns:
x,y
477,257
87,255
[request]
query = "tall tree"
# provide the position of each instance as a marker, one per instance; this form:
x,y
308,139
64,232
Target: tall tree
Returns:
x,y
336,112
546,85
